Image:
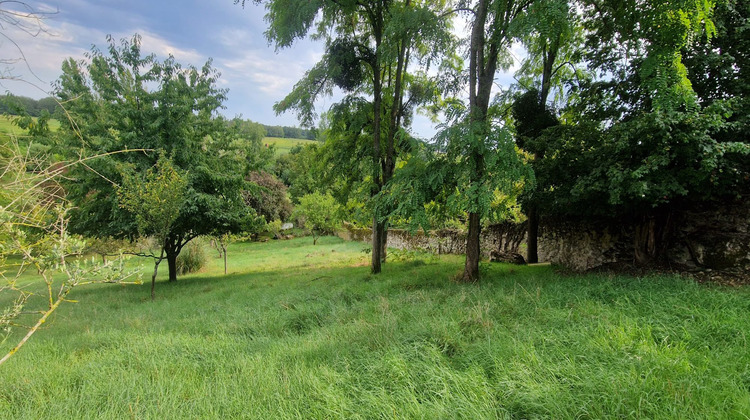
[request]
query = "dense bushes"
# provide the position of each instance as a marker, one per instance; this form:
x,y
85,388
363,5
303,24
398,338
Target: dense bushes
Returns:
x,y
269,198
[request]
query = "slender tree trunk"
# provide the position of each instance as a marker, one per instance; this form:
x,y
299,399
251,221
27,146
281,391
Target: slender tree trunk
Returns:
x,y
643,244
377,247
652,237
482,66
532,251
153,276
224,251
377,239
471,268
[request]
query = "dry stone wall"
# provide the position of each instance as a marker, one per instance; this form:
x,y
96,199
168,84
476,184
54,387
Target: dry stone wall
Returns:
x,y
717,239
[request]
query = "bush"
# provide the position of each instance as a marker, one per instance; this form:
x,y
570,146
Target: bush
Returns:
x,y
192,258
269,197
318,213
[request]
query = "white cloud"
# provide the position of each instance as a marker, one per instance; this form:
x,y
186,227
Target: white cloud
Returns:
x,y
152,43
44,54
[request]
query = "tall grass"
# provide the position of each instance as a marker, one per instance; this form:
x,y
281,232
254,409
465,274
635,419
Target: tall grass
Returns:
x,y
303,331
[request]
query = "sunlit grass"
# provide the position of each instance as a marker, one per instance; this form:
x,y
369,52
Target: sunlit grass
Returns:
x,y
284,145
7,127
303,331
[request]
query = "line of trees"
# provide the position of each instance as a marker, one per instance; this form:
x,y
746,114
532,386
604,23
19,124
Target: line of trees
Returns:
x,y
622,111
17,105
289,132
23,105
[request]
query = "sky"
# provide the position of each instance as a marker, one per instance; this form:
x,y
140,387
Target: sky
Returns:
x,y
194,31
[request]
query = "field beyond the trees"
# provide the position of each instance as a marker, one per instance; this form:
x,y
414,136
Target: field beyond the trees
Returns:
x,y
302,331
284,145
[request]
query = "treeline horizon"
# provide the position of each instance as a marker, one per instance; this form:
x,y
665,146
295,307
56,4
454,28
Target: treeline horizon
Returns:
x,y
17,105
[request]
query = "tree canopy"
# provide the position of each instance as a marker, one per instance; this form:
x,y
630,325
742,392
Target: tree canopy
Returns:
x,y
119,99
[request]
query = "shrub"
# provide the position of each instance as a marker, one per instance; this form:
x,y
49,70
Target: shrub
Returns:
x,y
192,258
319,214
269,197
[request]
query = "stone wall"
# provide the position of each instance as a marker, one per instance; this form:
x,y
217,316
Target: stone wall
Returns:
x,y
507,237
717,239
582,247
709,238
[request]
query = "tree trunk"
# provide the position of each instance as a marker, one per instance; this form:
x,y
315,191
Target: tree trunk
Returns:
x,y
224,251
153,278
377,175
482,65
651,239
172,264
471,269
532,251
377,247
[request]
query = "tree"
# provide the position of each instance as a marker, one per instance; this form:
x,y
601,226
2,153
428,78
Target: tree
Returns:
x,y
269,198
319,213
155,198
369,48
637,143
247,143
119,99
298,170
551,33
532,117
473,140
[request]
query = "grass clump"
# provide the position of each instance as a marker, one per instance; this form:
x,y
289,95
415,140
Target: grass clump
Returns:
x,y
192,258
303,331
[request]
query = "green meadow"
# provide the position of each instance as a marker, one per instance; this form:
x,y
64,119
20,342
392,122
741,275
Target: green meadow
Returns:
x,y
301,331
284,145
8,128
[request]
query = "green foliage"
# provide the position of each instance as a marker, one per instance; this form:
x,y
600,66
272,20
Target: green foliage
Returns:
x,y
346,63
248,144
155,197
635,140
473,188
269,198
21,105
319,213
119,99
274,228
650,34
300,170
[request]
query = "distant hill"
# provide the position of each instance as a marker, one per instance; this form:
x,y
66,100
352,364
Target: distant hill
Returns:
x,y
10,104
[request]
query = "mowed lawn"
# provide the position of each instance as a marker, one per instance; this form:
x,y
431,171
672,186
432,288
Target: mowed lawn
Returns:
x,y
284,145
302,331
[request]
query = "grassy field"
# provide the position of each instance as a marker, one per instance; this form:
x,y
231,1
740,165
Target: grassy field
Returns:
x,y
7,127
283,145
303,331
